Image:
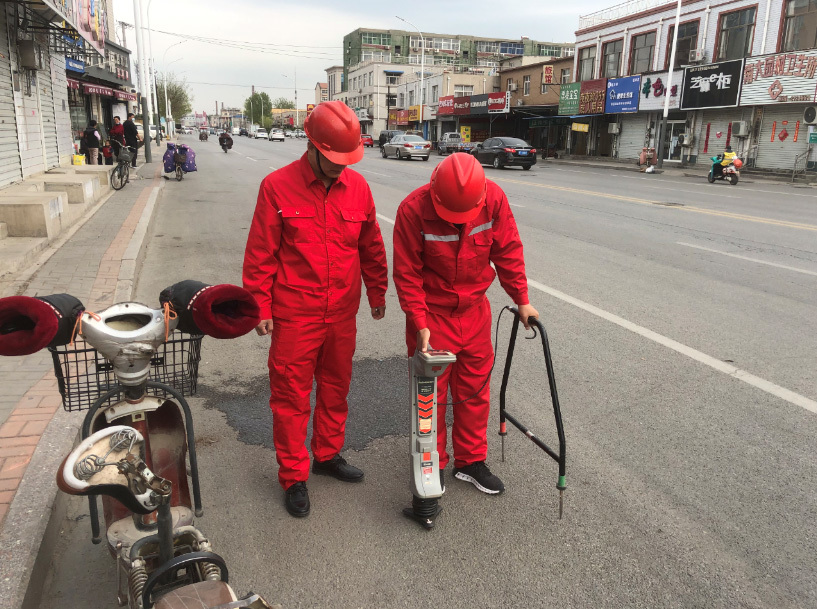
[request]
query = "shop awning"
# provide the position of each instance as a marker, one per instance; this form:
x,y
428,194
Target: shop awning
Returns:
x,y
73,84
121,95
97,89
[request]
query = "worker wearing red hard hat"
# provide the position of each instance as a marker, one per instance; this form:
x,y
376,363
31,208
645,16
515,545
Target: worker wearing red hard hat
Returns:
x,y
313,236
446,235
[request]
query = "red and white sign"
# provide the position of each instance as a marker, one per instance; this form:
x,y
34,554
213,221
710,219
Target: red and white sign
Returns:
x,y
121,95
98,90
654,91
309,109
462,105
499,102
73,84
782,78
592,96
445,105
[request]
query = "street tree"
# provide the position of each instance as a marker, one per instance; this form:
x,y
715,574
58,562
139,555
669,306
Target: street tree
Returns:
x,y
254,105
283,103
178,95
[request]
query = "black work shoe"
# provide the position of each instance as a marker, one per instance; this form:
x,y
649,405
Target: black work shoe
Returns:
x,y
337,468
480,476
442,480
297,500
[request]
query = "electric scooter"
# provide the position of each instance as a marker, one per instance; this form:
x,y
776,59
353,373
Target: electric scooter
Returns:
x,y
129,370
729,172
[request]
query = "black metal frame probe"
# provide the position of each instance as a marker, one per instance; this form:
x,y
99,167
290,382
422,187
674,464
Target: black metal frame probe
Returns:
x,y
559,457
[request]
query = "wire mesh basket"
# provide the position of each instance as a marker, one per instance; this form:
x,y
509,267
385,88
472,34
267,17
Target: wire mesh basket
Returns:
x,y
83,374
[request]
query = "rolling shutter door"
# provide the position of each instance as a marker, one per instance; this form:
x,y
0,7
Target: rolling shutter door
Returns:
x,y
59,82
10,169
776,148
45,90
632,136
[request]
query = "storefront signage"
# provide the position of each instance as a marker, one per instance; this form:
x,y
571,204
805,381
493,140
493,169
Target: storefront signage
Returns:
x,y
402,117
499,102
783,78
654,91
75,65
580,127
622,95
812,137
82,17
73,84
96,89
569,98
465,133
445,105
716,85
592,95
479,104
462,105
547,75
122,96
414,113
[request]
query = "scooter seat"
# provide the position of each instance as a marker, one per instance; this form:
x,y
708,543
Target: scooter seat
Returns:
x,y
201,595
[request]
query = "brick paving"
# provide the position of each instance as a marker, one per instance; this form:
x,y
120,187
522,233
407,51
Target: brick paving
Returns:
x,y
87,266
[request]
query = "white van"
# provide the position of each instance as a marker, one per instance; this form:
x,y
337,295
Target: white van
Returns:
x,y
236,130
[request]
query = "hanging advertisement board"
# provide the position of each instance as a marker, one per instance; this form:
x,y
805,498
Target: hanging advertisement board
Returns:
x,y
782,78
622,95
716,85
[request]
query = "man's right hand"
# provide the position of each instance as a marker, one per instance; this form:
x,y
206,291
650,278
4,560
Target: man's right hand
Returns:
x,y
264,328
423,336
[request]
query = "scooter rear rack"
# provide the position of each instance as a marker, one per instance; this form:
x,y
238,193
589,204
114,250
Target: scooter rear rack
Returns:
x,y
560,456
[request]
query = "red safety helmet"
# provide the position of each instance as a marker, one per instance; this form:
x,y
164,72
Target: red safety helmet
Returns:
x,y
335,131
737,163
458,188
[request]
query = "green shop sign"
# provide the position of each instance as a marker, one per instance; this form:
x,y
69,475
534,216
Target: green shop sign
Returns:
x,y
569,99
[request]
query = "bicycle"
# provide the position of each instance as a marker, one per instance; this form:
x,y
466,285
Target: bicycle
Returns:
x,y
137,448
179,159
121,173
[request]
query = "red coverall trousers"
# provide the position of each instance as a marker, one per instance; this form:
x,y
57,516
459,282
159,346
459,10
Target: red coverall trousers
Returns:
x,y
469,338
301,351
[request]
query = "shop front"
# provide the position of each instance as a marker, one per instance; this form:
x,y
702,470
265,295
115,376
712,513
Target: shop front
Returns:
x,y
780,87
483,115
622,101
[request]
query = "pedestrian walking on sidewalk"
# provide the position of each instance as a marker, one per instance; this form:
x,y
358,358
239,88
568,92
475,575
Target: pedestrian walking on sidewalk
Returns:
x,y
131,137
313,236
446,236
93,141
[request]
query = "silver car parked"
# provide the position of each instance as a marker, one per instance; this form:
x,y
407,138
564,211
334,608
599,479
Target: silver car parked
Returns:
x,y
406,147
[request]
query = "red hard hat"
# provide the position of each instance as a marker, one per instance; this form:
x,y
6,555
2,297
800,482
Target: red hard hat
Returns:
x,y
737,163
334,130
458,188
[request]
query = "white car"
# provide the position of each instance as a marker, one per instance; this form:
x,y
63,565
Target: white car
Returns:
x,y
277,135
261,134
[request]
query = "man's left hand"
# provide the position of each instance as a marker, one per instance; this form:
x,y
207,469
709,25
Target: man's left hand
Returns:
x,y
379,312
526,311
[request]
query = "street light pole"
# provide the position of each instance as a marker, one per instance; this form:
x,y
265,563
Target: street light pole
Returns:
x,y
422,71
660,151
140,53
164,78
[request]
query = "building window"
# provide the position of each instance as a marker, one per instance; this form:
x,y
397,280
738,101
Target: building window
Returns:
x,y
526,85
642,53
735,34
375,38
800,25
391,100
587,63
511,48
375,56
463,90
402,101
565,77
391,79
550,50
611,52
510,85
411,98
435,94
487,47
487,63
687,41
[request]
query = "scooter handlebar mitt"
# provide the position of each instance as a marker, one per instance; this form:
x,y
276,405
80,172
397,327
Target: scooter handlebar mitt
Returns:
x,y
29,324
220,311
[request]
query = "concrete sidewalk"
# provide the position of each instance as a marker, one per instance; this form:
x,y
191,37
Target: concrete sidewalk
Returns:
x,y
96,263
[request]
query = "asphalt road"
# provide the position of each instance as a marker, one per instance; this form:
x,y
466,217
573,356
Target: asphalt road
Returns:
x,y
683,322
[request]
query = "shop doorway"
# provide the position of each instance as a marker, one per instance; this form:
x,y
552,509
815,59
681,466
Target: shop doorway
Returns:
x,y
672,147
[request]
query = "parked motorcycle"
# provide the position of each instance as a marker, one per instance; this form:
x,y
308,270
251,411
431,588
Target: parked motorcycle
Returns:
x,y
129,368
730,172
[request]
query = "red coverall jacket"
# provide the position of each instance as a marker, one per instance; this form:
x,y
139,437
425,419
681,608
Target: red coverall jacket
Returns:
x,y
308,248
440,269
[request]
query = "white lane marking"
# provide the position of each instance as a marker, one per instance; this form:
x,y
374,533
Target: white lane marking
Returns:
x,y
271,167
780,266
515,205
755,381
252,159
374,172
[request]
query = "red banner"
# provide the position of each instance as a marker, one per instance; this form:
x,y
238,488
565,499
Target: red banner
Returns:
x,y
402,117
73,84
121,95
309,109
446,105
107,91
499,102
592,96
462,105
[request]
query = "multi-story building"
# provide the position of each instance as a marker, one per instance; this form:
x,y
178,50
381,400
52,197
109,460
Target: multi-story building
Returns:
x,y
321,92
743,74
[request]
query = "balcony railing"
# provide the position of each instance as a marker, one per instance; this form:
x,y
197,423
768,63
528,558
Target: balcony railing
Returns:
x,y
625,9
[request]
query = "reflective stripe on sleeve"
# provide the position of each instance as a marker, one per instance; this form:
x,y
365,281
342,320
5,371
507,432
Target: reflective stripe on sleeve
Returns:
x,y
481,227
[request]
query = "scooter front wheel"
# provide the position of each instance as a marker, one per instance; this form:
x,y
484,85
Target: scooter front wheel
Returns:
x,y
710,178
733,180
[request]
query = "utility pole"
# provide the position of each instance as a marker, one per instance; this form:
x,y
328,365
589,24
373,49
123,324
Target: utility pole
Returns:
x,y
140,52
662,132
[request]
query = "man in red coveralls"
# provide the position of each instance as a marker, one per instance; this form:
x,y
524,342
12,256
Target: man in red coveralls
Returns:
x,y
313,236
446,235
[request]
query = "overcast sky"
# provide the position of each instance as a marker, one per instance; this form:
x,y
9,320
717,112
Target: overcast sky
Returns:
x,y
305,37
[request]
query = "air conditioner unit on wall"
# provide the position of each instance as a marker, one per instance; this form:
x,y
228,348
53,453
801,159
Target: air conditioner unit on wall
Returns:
x,y
810,115
740,128
27,50
696,56
685,140
512,86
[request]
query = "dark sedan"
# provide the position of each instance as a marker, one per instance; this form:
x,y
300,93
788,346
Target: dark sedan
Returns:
x,y
505,152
